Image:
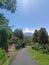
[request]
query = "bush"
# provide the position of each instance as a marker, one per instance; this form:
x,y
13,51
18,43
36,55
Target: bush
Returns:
x,y
2,54
36,46
45,51
42,48
20,44
45,48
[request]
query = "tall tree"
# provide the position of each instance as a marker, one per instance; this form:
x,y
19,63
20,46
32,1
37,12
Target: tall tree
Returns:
x,y
5,32
18,33
35,36
43,36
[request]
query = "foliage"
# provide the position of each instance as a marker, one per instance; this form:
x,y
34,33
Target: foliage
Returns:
x,y
28,41
48,39
2,54
20,44
7,61
41,48
18,33
8,4
3,21
43,36
42,59
5,32
36,46
35,36
3,0
40,36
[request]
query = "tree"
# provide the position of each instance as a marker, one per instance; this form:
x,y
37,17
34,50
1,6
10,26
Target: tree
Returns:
x,y
18,38
48,39
35,36
8,4
5,32
3,21
18,33
43,36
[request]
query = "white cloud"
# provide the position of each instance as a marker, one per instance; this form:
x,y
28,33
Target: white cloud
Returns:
x,y
27,30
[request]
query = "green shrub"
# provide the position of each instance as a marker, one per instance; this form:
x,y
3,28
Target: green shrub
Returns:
x,y
2,54
36,46
42,48
47,47
20,44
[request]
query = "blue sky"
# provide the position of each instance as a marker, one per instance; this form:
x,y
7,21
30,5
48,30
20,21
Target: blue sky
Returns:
x,y
30,15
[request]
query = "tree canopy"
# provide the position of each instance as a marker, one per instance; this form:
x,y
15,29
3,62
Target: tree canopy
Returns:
x,y
40,36
3,21
43,36
18,33
35,36
8,4
5,32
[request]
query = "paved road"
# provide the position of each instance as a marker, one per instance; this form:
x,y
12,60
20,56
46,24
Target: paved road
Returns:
x,y
23,58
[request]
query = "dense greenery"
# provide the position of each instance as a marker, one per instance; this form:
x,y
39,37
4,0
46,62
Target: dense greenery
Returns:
x,y
5,32
8,61
18,33
43,36
18,39
28,41
4,59
2,55
35,36
7,36
41,40
41,48
40,36
42,59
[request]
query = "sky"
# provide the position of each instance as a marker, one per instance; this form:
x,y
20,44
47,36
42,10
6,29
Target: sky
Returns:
x,y
29,15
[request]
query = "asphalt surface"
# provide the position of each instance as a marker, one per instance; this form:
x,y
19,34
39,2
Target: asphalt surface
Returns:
x,y
23,58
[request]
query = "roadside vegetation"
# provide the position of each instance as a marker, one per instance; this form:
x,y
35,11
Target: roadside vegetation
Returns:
x,y
40,58
7,36
41,40
7,62
40,46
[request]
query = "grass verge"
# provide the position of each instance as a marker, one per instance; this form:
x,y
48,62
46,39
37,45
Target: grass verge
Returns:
x,y
8,60
42,59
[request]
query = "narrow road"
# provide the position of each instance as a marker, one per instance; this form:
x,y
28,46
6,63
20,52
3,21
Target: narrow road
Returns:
x,y
23,58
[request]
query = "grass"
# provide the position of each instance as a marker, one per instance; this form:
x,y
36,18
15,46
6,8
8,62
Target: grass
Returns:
x,y
7,61
2,56
42,59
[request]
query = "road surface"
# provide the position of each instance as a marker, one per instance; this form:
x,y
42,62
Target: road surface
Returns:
x,y
23,58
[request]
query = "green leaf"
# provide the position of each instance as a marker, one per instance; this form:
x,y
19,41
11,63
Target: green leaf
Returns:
x,y
3,0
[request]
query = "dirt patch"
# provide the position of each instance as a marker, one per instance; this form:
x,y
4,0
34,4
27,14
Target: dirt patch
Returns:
x,y
11,50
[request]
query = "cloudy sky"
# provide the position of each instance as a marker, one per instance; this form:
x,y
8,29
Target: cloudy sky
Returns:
x,y
30,15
